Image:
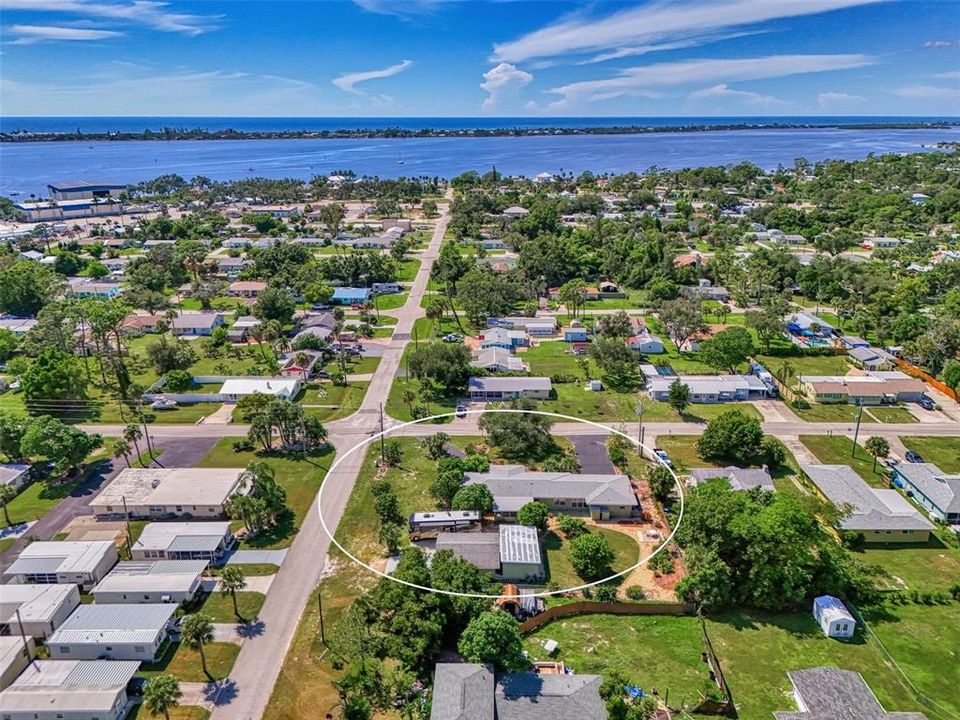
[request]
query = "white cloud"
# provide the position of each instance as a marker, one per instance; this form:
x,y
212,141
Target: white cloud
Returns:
x,y
117,89
150,13
952,75
502,82
694,72
838,100
400,8
656,23
348,81
936,44
645,49
927,92
721,92
32,34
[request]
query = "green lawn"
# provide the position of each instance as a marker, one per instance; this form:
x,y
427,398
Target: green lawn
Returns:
x,y
249,569
818,412
184,663
392,301
943,452
836,450
757,649
348,398
301,478
559,569
36,499
408,269
891,414
922,639
933,565
654,651
219,607
182,712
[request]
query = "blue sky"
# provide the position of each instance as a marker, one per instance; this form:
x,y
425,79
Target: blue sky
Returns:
x,y
462,58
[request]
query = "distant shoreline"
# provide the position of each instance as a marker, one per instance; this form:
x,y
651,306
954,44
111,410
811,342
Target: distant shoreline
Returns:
x,y
174,133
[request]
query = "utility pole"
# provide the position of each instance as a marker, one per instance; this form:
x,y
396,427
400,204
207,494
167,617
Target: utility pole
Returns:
x,y
856,433
23,636
640,429
323,636
126,522
383,454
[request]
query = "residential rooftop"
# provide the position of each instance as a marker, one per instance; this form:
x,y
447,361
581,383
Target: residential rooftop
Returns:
x,y
828,693
182,536
169,486
48,557
36,603
113,624
739,478
151,575
71,688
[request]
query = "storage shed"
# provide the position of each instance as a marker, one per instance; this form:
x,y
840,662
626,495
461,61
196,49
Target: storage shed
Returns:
x,y
833,617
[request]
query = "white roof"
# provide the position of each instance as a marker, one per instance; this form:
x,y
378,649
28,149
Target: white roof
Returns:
x,y
707,384
264,385
87,687
45,557
197,535
113,624
36,603
11,649
10,472
170,486
152,576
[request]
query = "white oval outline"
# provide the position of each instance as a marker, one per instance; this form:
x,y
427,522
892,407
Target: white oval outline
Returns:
x,y
453,593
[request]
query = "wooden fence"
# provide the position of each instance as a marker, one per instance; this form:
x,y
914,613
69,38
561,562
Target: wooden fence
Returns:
x,y
910,369
587,607
711,706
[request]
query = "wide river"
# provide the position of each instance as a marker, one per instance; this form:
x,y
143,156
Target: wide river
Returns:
x,y
26,168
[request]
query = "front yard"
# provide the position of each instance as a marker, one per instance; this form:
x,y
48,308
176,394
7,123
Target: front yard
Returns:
x,y
183,662
836,450
944,452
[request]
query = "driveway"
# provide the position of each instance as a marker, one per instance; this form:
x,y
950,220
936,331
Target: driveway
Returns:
x,y
592,452
181,452
257,557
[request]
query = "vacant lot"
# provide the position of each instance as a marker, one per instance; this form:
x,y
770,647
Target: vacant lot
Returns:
x,y
654,651
942,452
930,566
839,450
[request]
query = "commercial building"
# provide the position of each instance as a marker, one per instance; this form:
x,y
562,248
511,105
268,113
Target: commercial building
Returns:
x,y
150,581
69,563
880,515
470,691
829,693
710,388
207,541
113,632
512,554
235,388
69,690
53,211
935,490
84,190
169,492
513,486
509,388
871,388
739,478
42,608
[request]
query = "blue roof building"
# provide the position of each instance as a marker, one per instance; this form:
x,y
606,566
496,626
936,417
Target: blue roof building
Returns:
x,y
350,296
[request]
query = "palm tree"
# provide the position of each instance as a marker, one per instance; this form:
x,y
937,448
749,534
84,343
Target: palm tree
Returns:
x,y
121,449
133,433
232,580
408,396
7,494
196,631
162,693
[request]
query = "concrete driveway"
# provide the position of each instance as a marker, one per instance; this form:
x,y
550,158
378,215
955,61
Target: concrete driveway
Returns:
x,y
257,557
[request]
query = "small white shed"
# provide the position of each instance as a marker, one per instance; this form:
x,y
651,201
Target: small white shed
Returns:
x,y
833,617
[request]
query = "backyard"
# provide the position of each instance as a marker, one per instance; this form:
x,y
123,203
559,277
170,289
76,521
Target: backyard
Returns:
x,y
557,560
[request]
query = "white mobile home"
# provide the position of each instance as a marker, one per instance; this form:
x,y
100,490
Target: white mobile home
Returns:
x,y
69,690
42,608
76,563
113,632
150,581
169,492
183,541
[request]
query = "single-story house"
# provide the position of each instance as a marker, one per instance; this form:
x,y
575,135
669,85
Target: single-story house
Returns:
x,y
236,243
386,288
935,490
140,323
509,388
237,387
503,338
575,334
81,563
169,492
33,255
196,323
42,608
853,341
321,332
350,296
15,655
710,388
17,475
150,581
879,515
246,288
231,266
833,617
240,330
71,689
603,496
875,242
512,554
871,358
97,289
183,541
300,363
871,388
368,242
545,326
646,343
706,291
496,359
470,691
113,632
808,324
18,326
739,478
829,693
515,212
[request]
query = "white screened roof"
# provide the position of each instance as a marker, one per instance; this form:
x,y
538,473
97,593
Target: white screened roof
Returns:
x,y
183,536
45,557
107,624
264,385
170,486
519,544
152,576
36,603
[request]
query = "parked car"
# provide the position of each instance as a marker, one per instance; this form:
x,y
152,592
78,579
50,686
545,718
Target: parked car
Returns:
x,y
136,686
926,403
453,338
914,457
461,410
661,454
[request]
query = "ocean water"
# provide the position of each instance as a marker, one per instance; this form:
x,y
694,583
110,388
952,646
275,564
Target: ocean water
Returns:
x,y
26,168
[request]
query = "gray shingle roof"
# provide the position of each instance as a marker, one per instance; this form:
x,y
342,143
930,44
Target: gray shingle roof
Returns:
x,y
462,692
870,509
833,694
739,478
936,485
480,549
514,481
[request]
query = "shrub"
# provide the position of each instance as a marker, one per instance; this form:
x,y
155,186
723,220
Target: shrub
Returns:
x,y
534,513
591,556
571,527
636,593
661,563
605,593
